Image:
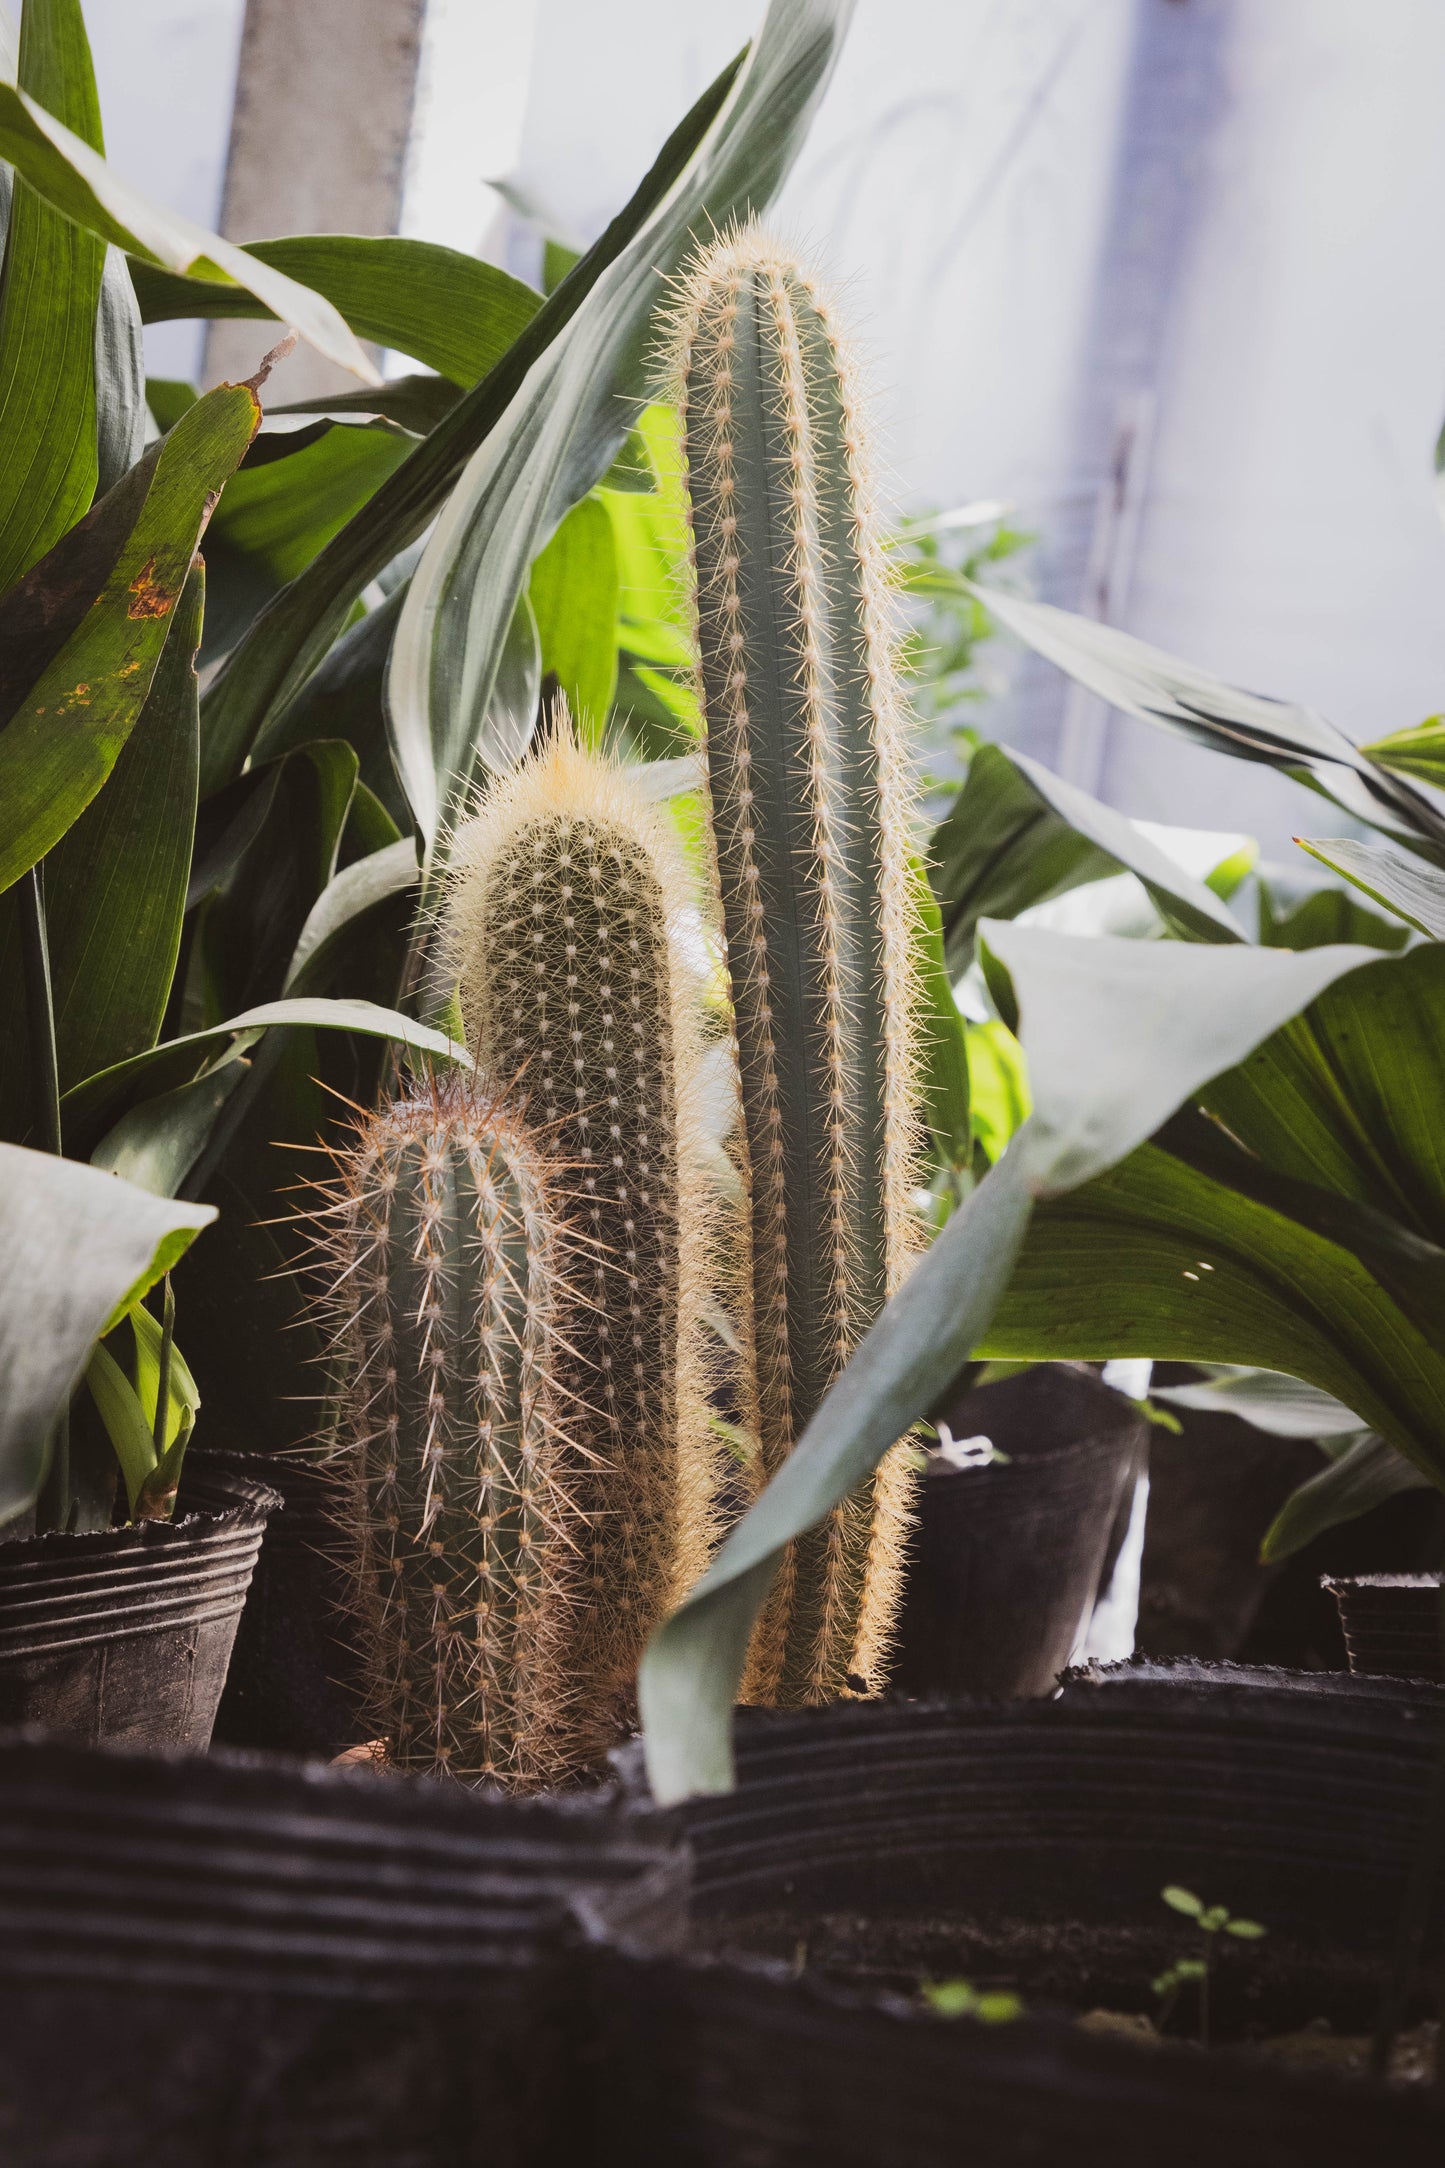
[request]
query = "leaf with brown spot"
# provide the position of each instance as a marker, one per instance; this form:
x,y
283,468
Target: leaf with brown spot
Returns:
x,y
82,633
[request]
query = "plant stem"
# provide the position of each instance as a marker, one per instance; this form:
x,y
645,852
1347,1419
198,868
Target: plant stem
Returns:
x,y
1414,1913
1204,1992
163,1371
55,1504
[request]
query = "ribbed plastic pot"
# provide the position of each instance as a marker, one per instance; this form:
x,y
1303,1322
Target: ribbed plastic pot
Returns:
x,y
1005,1561
253,1964
294,1684
869,1847
1391,1623
124,1635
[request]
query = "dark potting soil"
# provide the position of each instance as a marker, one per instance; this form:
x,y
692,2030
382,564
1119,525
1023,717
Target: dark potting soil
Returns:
x,y
1067,1967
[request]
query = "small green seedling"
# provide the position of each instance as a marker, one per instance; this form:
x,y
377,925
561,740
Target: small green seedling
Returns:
x,y
1212,1921
960,1998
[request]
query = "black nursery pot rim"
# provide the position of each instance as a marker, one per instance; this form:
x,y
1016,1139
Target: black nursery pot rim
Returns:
x,y
1336,1581
62,1589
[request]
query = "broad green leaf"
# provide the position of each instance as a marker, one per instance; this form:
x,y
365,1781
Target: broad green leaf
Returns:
x,y
1284,1407
1419,751
183,1397
120,395
998,1085
118,1405
1002,849
343,699
416,403
254,922
570,418
49,299
116,881
1414,892
1351,1096
63,169
945,1055
1189,905
290,495
452,312
1160,689
690,1673
1117,1034
1154,1258
1367,1473
1005,847
351,896
573,594
81,636
1322,915
158,1142
1408,1266
293,633
77,1248
175,1061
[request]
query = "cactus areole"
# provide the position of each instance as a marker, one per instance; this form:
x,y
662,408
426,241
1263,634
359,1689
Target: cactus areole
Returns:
x,y
810,805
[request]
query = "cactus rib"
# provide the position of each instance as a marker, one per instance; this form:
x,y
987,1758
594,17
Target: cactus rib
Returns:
x,y
811,821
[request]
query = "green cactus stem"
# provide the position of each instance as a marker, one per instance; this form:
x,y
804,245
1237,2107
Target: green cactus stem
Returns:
x,y
562,927
445,1284
810,799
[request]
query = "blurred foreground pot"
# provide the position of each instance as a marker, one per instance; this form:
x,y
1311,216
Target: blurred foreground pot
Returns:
x,y
123,1635
869,1847
1005,1561
1392,1623
245,1965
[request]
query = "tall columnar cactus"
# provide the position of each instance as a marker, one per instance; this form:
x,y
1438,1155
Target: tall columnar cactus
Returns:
x,y
810,801
446,1282
562,928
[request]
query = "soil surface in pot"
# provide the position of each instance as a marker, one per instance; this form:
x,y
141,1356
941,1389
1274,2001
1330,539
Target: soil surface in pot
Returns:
x,y
1025,1847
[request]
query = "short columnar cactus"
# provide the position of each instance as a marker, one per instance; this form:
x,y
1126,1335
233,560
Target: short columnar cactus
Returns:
x,y
446,1283
562,929
810,800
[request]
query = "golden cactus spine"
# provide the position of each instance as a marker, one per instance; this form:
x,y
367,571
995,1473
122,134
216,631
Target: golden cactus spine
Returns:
x,y
809,787
562,927
445,1286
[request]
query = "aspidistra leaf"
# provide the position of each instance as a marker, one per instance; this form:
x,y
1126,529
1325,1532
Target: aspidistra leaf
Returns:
x,y
77,1248
289,638
571,416
49,297
116,881
1158,688
81,635
452,312
1415,892
72,177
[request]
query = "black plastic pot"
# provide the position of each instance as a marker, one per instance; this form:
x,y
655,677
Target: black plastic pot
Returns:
x,y
254,1965
1391,1623
871,1846
294,1683
1005,1561
124,1635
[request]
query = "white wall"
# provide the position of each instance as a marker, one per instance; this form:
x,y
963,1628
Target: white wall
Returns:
x,y
959,184
1290,538
166,71
959,177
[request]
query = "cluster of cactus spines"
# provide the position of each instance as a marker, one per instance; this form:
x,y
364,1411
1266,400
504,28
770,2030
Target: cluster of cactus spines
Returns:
x,y
809,789
562,929
447,1282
